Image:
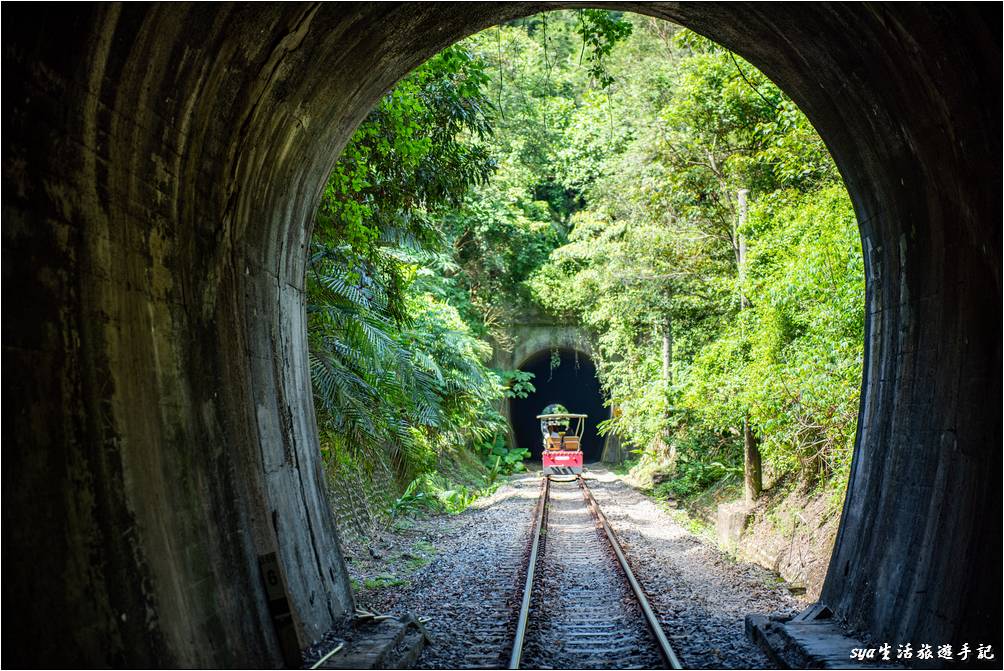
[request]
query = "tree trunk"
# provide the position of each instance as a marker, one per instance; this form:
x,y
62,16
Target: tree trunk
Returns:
x,y
667,352
752,466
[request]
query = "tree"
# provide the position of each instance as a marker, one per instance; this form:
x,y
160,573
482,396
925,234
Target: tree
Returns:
x,y
587,164
394,367
656,240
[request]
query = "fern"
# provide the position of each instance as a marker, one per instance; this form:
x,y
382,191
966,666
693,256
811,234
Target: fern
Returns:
x,y
396,372
407,387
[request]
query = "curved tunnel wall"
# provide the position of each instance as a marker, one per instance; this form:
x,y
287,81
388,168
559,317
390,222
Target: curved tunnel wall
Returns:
x,y
161,164
574,384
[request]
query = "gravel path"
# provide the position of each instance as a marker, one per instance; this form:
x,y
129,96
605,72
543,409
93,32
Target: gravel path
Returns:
x,y
700,595
471,588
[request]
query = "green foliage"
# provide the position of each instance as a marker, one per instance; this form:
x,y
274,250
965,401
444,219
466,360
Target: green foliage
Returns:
x,y
417,255
410,387
414,563
506,228
413,500
501,459
601,30
794,359
653,253
517,383
695,475
586,164
432,493
624,467
424,547
384,580
395,367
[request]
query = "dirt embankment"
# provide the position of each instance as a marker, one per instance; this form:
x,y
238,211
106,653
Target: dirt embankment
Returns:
x,y
789,530
792,531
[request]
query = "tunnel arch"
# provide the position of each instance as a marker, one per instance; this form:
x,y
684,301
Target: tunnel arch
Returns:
x,y
161,165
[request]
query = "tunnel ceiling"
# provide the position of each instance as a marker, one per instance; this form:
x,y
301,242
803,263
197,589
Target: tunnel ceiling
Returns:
x,y
161,166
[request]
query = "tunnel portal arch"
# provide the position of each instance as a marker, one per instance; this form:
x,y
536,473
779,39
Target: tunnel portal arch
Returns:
x,y
534,334
161,166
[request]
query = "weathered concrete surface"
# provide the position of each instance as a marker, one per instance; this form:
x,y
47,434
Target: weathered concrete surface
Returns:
x,y
161,163
802,642
539,336
730,521
382,644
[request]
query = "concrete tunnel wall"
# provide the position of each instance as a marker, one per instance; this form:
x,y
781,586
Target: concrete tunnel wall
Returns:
x,y
160,167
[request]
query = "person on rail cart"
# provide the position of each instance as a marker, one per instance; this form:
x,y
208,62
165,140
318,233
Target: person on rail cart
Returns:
x,y
553,427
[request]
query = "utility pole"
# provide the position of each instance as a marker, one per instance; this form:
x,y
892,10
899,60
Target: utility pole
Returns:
x,y
752,463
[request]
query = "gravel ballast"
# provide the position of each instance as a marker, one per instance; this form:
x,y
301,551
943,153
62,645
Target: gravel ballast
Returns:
x,y
470,590
700,595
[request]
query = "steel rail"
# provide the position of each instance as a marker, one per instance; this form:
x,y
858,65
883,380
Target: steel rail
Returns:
x,y
524,610
650,617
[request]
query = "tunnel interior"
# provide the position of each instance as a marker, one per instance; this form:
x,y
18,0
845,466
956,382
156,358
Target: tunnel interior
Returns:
x,y
573,384
162,163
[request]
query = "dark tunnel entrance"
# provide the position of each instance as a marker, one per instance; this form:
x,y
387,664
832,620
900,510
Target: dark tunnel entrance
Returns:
x,y
573,383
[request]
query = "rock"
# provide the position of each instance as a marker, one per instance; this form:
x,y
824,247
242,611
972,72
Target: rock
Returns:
x,y
731,521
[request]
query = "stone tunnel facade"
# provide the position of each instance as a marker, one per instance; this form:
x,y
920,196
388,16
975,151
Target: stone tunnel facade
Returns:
x,y
161,164
529,338
540,334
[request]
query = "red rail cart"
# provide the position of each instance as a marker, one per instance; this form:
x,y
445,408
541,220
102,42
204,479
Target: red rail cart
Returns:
x,y
562,432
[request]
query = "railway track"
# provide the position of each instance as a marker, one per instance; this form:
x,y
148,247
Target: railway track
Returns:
x,y
582,606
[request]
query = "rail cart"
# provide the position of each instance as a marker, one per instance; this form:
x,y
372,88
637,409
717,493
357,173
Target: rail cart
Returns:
x,y
562,433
